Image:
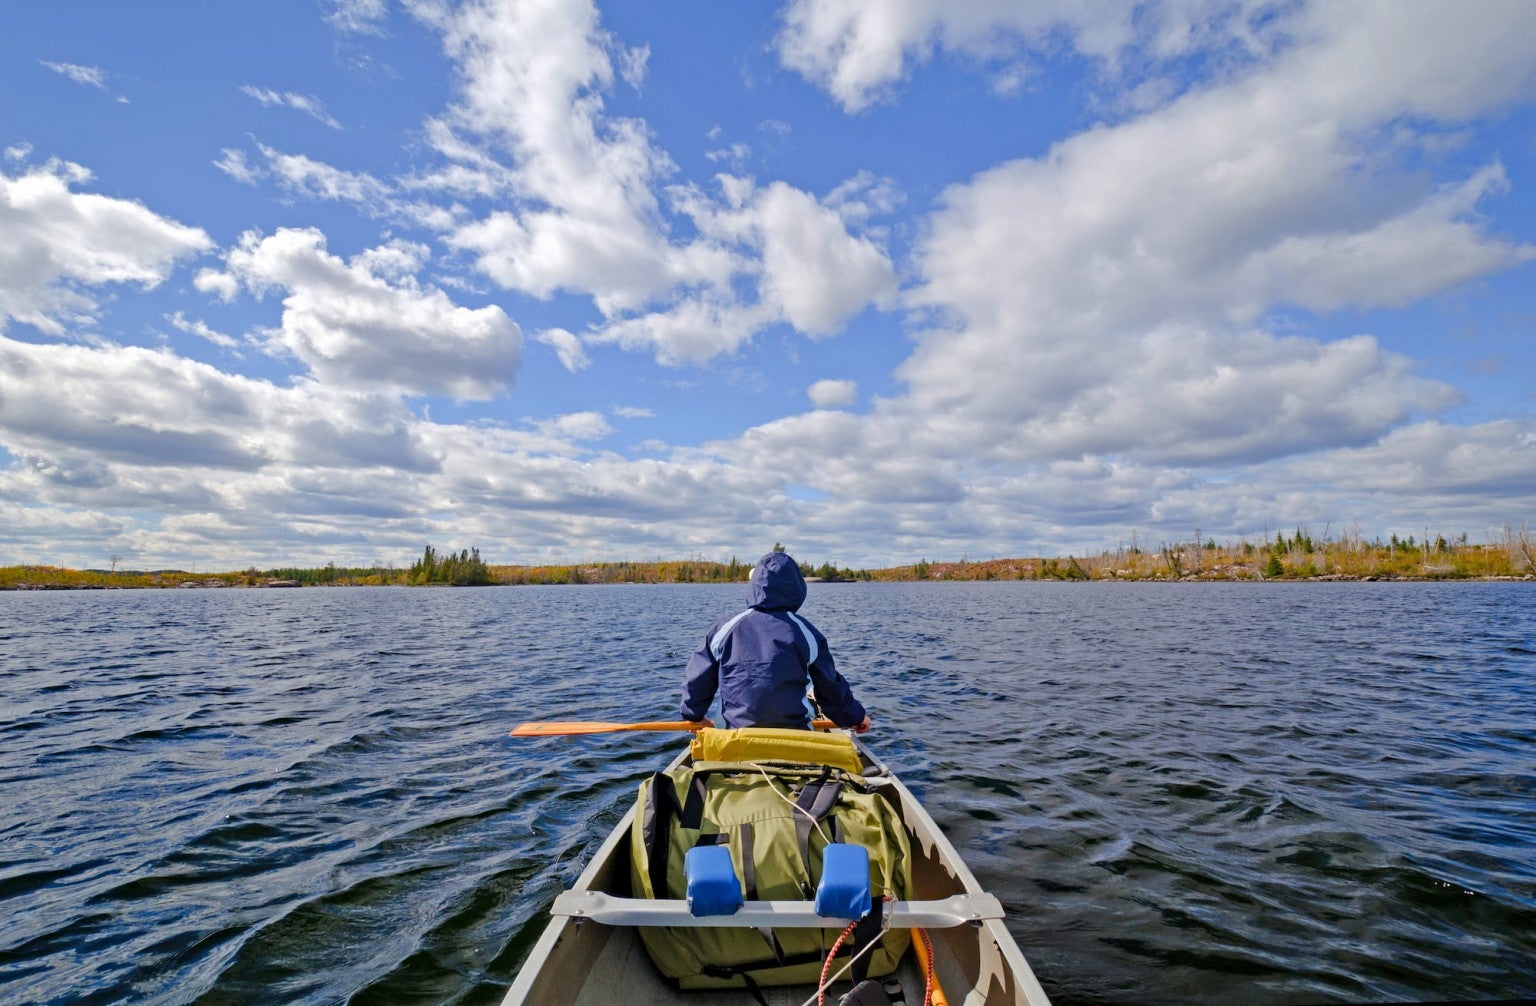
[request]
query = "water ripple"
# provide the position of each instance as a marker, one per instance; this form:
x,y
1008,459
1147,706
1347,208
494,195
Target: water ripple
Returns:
x,y
1182,794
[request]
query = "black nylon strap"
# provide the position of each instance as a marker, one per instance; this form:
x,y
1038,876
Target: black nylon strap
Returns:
x,y
748,864
867,931
749,881
692,816
721,971
656,829
815,802
772,939
789,961
661,807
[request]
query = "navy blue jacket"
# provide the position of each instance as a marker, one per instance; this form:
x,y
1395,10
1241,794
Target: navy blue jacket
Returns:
x,y
761,659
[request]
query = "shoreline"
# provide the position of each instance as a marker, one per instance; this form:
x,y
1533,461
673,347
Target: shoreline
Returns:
x,y
1296,559
219,584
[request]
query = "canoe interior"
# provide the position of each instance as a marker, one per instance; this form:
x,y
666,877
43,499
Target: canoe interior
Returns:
x,y
590,964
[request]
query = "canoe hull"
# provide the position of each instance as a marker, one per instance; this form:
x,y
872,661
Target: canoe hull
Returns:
x,y
581,961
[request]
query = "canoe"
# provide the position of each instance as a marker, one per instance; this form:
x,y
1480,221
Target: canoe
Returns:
x,y
590,953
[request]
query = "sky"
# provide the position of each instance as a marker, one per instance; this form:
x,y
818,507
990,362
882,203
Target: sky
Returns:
x,y
315,281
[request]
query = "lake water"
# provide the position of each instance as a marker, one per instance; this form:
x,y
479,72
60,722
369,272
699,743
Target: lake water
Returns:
x,y
1183,793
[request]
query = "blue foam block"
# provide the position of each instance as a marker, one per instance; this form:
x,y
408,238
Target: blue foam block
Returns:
x,y
712,885
844,889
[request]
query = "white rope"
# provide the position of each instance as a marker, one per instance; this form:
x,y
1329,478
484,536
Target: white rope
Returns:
x,y
798,809
884,922
795,806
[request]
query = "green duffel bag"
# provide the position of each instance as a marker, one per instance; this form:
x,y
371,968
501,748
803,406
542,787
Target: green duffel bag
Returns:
x,y
776,852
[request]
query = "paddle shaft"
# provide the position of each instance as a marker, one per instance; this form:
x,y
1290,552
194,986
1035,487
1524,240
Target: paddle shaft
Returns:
x,y
565,728
936,995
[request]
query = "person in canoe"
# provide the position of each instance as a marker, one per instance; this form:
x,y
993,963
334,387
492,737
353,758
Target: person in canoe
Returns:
x,y
760,660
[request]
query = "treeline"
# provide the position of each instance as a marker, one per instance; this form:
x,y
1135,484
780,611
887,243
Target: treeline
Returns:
x,y
328,575
1299,555
56,577
1302,556
684,571
676,571
460,569
1295,556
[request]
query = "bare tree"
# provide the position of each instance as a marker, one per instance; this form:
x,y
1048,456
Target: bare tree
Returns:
x,y
1518,542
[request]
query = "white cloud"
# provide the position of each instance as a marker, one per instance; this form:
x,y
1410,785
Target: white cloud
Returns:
x,y
209,464
1433,459
859,51
533,76
615,260
1095,357
1196,397
864,197
306,103
366,324
89,76
317,180
851,457
734,156
567,347
233,163
577,426
833,394
588,220
1110,336
1429,247
632,65
182,323
817,273
1085,307
357,16
389,199
86,76
60,243
128,404
693,331
854,51
1445,61
808,270
220,284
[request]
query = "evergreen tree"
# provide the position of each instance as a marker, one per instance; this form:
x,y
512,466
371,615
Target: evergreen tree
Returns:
x,y
464,568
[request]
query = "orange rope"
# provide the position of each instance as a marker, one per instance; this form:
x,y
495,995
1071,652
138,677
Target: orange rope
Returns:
x,y
821,986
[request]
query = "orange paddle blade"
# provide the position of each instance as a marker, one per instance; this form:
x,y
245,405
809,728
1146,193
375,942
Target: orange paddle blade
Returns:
x,y
558,728
565,728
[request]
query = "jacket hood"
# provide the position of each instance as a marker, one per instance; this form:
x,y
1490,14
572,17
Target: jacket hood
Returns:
x,y
777,584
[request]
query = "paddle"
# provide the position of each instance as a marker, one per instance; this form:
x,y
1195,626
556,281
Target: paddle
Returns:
x,y
562,728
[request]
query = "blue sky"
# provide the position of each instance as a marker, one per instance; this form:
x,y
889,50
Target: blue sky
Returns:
x,y
328,280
